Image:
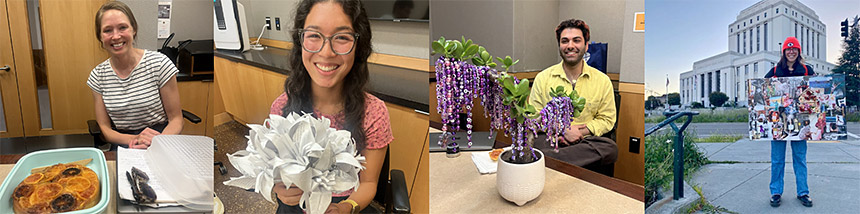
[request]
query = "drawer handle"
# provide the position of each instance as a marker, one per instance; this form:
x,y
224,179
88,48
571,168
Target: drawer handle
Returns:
x,y
422,112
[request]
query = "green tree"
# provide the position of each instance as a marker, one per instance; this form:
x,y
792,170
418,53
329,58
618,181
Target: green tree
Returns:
x,y
674,99
652,103
717,98
849,64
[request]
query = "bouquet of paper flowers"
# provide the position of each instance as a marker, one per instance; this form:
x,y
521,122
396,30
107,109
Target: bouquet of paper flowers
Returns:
x,y
300,150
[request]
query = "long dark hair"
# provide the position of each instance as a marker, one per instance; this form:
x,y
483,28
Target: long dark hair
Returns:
x,y
783,61
298,83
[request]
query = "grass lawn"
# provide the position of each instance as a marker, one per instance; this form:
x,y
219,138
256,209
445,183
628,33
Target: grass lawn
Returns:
x,y
709,116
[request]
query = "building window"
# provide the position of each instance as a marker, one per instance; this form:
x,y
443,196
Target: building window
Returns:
x,y
738,43
765,14
755,69
745,42
777,10
757,38
795,29
765,36
756,18
702,80
718,81
746,76
710,82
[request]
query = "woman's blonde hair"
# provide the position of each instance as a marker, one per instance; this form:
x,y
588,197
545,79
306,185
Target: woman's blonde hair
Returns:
x,y
115,5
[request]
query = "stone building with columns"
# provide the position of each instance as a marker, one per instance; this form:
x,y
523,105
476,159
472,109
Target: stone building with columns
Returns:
x,y
755,42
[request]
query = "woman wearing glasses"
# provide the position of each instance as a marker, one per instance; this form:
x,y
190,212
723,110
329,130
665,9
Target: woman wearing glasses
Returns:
x,y
327,77
790,64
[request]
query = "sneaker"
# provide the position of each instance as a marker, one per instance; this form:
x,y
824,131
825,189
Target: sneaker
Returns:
x,y
805,200
774,200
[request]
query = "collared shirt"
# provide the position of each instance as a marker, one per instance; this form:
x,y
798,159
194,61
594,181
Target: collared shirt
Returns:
x,y
593,85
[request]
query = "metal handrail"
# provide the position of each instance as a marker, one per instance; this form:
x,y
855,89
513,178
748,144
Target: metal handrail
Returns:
x,y
678,162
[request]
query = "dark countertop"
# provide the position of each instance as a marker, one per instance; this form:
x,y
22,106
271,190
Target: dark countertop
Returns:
x,y
182,77
410,88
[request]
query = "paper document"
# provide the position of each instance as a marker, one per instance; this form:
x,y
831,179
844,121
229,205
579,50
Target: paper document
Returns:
x,y
127,158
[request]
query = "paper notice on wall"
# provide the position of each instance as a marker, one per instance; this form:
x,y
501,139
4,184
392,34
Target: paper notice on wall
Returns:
x,y
164,19
639,22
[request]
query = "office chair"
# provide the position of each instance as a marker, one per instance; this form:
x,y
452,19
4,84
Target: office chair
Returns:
x,y
392,194
608,169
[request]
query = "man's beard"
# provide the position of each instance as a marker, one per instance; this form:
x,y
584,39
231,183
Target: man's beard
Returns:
x,y
571,62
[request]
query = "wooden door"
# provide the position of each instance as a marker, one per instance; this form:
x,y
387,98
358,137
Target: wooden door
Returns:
x,y
71,51
12,125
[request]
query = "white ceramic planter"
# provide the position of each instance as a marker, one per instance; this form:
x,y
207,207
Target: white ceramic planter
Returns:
x,y
520,183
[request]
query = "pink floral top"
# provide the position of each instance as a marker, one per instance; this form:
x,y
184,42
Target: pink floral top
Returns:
x,y
377,128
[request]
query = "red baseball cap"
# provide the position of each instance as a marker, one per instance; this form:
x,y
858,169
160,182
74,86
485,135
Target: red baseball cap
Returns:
x,y
791,42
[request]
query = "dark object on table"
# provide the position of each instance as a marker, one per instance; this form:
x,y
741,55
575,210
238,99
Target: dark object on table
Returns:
x,y
143,193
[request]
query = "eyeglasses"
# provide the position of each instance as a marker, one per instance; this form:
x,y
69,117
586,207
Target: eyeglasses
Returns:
x,y
340,43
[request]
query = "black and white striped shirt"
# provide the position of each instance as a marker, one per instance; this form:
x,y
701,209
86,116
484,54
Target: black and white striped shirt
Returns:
x,y
134,102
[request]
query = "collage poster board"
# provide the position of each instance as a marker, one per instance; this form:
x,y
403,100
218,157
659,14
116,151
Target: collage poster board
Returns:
x,y
797,108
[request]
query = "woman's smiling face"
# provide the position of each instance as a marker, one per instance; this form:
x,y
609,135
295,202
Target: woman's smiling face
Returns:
x,y
326,68
117,34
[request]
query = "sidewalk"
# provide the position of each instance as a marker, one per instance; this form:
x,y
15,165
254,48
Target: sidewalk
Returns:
x,y
833,169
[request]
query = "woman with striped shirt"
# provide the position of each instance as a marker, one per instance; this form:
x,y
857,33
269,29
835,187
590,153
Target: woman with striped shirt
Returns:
x,y
135,91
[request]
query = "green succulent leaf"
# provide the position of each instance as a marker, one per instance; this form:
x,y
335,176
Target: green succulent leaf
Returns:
x,y
438,48
471,50
485,56
492,64
478,61
523,87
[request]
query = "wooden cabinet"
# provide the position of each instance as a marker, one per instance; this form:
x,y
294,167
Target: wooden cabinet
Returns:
x,y
247,91
409,153
194,97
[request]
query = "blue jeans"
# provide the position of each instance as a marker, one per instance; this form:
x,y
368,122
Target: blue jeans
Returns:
x,y
777,166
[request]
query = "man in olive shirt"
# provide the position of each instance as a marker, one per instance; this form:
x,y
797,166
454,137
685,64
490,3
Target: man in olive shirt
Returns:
x,y
578,145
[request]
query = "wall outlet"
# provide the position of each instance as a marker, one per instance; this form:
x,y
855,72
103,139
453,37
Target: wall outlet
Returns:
x,y
634,145
277,23
268,23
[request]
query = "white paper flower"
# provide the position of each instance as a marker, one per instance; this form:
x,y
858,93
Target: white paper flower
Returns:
x,y
300,150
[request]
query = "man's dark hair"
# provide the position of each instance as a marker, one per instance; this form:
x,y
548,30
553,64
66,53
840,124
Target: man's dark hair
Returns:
x,y
573,23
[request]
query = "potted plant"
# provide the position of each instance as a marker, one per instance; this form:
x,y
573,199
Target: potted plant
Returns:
x,y
520,175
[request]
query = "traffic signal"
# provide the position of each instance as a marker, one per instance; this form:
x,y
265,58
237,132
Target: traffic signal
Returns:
x,y
845,28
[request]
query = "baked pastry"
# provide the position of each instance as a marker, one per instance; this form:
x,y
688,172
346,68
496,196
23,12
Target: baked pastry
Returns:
x,y
494,155
59,188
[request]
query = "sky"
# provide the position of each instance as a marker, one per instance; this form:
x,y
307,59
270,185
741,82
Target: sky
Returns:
x,y
680,32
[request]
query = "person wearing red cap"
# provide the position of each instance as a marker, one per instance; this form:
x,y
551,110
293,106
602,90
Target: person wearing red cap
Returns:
x,y
790,64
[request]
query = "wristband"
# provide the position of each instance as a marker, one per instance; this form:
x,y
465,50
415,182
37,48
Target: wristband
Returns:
x,y
353,203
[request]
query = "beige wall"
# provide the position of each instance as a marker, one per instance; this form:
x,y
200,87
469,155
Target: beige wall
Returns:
x,y
633,55
190,19
611,21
